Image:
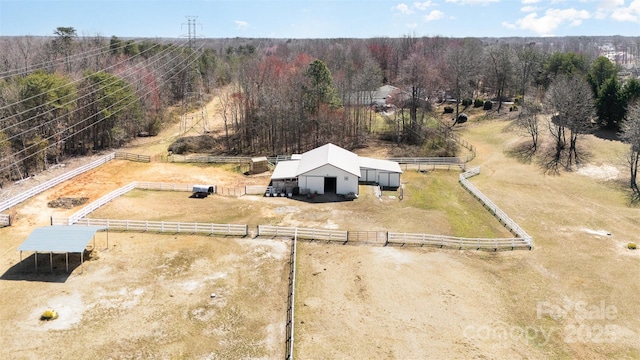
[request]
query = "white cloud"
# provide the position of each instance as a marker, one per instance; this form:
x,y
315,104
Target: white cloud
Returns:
x,y
630,13
509,25
525,2
422,5
552,19
622,14
610,4
434,15
412,25
241,24
403,9
528,9
472,2
616,10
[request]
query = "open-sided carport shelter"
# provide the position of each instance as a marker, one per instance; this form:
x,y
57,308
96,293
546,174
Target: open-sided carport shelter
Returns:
x,y
60,240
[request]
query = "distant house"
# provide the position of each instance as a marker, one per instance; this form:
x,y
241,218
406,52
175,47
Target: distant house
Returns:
x,y
378,98
332,169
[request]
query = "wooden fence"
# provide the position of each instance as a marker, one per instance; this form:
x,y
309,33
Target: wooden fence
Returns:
x,y
209,159
160,226
429,162
384,238
303,233
367,237
53,182
492,207
132,157
289,330
411,239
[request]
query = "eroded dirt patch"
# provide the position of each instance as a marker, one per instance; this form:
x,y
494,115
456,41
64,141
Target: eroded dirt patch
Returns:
x,y
67,202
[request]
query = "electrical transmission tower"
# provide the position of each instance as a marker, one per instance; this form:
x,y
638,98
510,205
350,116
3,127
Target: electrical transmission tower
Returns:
x,y
193,93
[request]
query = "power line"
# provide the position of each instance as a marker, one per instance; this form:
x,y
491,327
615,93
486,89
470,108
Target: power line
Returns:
x,y
59,87
46,64
188,87
158,56
61,140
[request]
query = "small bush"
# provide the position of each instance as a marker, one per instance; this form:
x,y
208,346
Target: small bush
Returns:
x,y
513,108
49,315
448,110
466,102
487,105
631,246
478,103
517,100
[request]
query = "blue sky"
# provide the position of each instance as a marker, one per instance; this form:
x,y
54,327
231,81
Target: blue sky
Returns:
x,y
323,18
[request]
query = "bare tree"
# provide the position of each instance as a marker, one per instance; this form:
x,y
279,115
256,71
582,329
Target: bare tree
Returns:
x,y
500,62
464,60
570,102
631,136
528,121
529,60
25,47
418,78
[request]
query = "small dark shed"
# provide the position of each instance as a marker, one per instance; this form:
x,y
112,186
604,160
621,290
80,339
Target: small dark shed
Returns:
x,y
202,191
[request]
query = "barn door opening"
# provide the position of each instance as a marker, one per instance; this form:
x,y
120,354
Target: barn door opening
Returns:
x,y
330,185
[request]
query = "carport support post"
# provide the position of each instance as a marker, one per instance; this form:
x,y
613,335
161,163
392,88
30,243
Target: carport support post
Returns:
x,y
51,261
67,260
36,257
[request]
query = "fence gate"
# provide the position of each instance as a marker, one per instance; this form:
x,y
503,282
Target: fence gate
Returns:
x,y
367,237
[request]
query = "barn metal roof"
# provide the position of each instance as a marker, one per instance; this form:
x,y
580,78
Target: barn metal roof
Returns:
x,y
60,239
332,155
378,164
285,169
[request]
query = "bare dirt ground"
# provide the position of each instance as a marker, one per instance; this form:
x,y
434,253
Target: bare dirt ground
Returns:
x,y
149,296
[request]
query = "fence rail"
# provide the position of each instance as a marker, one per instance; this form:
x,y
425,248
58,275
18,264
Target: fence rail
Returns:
x,y
486,202
53,182
163,186
161,226
132,157
302,233
100,202
421,163
255,189
458,242
210,159
367,237
289,332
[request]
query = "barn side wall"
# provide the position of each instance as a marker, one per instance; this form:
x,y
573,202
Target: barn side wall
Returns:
x,y
313,181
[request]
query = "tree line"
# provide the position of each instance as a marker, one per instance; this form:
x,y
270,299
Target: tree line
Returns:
x,y
63,95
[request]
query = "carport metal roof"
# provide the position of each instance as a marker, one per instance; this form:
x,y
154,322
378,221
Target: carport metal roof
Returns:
x,y
59,239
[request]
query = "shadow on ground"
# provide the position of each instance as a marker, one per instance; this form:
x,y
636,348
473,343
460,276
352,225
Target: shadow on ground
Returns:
x,y
46,270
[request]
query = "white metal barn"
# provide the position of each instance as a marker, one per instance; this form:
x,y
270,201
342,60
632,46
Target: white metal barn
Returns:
x,y
332,169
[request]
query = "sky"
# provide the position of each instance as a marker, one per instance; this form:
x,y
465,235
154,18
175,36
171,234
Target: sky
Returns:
x,y
322,18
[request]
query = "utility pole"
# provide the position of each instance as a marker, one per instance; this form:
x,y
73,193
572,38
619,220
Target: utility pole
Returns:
x,y
193,91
